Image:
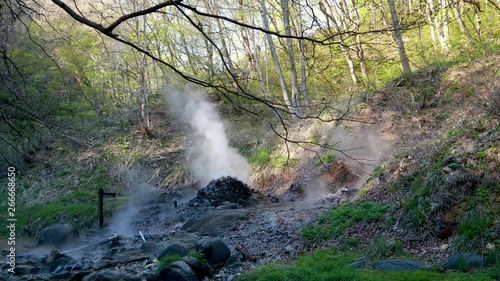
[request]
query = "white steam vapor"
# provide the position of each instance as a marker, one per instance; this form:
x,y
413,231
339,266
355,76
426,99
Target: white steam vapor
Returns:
x,y
209,154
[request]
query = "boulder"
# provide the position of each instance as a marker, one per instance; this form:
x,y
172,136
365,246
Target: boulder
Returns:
x,y
149,247
25,269
201,270
110,275
180,249
177,271
57,235
215,251
467,260
398,265
57,261
358,264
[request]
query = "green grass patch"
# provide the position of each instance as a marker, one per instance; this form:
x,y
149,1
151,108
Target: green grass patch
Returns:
x,y
260,157
323,265
166,261
336,221
80,215
328,158
381,248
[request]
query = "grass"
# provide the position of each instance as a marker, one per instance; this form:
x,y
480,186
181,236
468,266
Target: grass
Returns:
x,y
42,215
265,157
167,260
336,221
331,265
328,158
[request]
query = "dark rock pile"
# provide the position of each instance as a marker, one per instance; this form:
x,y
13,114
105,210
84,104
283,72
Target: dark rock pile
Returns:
x,y
222,191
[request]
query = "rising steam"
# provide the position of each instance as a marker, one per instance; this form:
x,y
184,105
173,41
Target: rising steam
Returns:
x,y
209,154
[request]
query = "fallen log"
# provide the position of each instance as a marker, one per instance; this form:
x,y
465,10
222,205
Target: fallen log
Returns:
x,y
246,254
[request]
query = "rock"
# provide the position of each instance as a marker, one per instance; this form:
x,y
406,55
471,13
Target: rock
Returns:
x,y
444,247
201,270
358,264
69,276
57,261
177,271
25,269
110,275
234,258
149,247
57,235
215,251
214,222
180,249
220,191
468,260
398,265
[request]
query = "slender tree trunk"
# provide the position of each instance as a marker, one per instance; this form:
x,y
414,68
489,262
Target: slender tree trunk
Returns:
x,y
359,47
209,47
478,24
303,64
144,92
291,57
444,23
399,41
274,55
458,9
345,51
431,19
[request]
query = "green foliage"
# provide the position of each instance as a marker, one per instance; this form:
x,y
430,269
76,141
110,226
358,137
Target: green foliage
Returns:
x,y
328,158
379,171
265,157
382,248
474,231
331,265
43,215
199,255
336,221
260,157
282,161
166,261
314,140
349,244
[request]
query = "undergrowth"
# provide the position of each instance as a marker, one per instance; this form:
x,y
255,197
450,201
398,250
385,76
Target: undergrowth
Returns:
x,y
332,265
336,221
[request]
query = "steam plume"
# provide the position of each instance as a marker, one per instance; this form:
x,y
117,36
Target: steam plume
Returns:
x,y
209,154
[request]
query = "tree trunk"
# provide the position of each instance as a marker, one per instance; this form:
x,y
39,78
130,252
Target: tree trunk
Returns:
x,y
144,107
399,41
303,64
359,47
274,55
443,12
478,24
291,57
345,51
458,9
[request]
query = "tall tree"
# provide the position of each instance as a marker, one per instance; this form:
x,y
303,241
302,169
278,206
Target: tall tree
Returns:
x,y
291,57
399,41
272,49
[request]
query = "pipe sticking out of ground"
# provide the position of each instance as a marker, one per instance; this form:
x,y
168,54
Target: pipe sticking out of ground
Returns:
x,y
102,241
